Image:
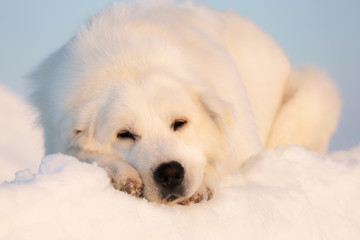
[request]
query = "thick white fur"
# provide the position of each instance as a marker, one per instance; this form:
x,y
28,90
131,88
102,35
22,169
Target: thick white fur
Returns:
x,y
140,66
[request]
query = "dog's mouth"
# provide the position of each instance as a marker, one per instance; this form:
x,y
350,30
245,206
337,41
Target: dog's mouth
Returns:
x,y
173,199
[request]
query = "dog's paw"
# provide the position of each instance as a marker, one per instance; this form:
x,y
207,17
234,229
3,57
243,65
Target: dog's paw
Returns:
x,y
203,194
126,179
130,186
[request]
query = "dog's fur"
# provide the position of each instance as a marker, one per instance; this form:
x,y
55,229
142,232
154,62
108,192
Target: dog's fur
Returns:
x,y
144,84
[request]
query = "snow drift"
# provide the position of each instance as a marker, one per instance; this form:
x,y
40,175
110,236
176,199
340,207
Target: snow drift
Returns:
x,y
287,194
20,141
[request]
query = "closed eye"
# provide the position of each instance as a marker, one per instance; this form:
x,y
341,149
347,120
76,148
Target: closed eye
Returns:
x,y
126,135
178,124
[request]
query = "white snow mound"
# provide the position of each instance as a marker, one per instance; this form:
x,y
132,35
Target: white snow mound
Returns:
x,y
284,194
21,143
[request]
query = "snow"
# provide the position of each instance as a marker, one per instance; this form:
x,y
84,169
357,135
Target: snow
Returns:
x,y
20,141
288,193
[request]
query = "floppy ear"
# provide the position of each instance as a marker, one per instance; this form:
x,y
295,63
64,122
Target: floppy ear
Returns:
x,y
236,122
219,110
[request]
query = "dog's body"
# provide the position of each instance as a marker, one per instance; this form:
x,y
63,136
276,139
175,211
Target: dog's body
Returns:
x,y
169,96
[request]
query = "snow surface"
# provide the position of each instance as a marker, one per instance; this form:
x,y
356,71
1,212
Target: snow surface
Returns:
x,y
20,141
287,194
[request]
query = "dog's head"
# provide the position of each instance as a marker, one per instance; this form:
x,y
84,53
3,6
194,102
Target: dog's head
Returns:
x,y
167,131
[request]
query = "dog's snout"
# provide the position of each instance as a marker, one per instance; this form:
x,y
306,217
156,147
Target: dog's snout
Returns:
x,y
169,175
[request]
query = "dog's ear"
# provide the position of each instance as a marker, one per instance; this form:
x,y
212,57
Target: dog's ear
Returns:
x,y
219,110
236,123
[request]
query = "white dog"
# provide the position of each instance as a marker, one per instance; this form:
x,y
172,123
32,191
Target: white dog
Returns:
x,y
168,96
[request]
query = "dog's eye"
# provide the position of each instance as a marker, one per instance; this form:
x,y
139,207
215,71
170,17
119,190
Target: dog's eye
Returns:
x,y
125,134
77,131
177,124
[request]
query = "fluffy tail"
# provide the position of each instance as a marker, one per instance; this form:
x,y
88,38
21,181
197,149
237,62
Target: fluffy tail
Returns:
x,y
309,112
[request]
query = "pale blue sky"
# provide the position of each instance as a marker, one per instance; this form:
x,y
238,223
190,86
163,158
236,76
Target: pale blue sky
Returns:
x,y
325,33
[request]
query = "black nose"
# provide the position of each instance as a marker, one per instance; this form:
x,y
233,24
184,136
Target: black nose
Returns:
x,y
169,175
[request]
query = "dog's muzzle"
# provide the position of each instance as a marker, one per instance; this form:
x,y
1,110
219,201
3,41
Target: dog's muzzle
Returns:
x,y
169,177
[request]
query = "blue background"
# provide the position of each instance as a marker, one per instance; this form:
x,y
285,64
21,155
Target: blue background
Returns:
x,y
325,33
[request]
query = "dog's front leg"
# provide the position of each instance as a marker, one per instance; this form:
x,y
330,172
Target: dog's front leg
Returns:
x,y
122,175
